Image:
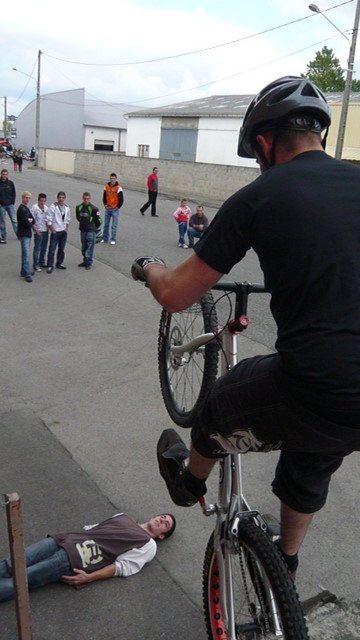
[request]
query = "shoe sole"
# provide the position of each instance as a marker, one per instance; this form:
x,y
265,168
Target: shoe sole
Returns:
x,y
171,463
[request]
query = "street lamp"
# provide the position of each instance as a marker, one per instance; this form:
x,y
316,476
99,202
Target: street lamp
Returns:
x,y
349,73
37,114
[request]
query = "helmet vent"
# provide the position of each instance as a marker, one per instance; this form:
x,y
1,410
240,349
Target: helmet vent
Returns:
x,y
309,90
281,94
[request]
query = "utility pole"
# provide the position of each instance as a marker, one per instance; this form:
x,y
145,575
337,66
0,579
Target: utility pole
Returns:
x,y
347,89
37,116
5,116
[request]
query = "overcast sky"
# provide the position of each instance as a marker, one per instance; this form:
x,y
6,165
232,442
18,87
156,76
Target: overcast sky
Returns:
x,y
138,31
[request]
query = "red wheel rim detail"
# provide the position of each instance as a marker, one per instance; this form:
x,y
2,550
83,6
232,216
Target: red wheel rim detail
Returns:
x,y
215,615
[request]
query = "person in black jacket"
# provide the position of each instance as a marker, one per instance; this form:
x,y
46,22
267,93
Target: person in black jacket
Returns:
x,y
89,221
7,202
25,226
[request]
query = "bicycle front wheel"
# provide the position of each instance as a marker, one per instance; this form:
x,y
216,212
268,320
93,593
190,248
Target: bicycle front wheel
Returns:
x,y
265,602
186,379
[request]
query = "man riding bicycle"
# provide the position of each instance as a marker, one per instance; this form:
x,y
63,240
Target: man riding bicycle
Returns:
x,y
301,216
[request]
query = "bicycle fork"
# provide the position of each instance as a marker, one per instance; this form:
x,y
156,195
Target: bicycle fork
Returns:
x,y
231,501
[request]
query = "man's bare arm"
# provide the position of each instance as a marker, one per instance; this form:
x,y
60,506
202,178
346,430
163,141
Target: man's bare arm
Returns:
x,y
176,288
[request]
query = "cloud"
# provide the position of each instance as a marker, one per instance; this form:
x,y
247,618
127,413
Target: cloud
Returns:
x,y
136,30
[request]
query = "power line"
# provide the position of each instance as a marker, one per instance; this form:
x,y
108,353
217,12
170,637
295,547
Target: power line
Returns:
x,y
265,64
114,105
190,53
26,85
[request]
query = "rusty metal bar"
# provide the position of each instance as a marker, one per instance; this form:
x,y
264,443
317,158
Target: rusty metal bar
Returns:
x,y
17,554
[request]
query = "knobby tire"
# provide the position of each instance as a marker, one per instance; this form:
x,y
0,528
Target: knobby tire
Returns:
x,y
185,381
257,566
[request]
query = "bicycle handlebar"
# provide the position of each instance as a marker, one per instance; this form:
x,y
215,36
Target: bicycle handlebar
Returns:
x,y
237,287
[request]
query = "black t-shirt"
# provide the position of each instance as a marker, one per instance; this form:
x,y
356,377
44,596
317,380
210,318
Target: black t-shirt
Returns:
x,y
303,220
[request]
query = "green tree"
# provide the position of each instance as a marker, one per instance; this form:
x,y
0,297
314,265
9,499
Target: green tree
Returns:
x,y
325,71
355,85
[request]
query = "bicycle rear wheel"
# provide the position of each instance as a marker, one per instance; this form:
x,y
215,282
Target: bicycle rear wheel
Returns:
x,y
186,379
266,605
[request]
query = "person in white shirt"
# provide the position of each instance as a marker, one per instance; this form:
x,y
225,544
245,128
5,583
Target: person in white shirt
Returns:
x,y
118,546
57,220
41,235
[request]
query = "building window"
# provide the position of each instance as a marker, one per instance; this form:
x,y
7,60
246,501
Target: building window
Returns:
x,y
143,150
103,145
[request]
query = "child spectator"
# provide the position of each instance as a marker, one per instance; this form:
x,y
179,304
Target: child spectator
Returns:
x,y
182,215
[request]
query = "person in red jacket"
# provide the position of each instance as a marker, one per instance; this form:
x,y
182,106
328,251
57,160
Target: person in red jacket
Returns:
x,y
153,187
113,199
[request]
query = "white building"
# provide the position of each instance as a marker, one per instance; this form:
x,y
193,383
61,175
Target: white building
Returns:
x,y
204,130
69,121
207,130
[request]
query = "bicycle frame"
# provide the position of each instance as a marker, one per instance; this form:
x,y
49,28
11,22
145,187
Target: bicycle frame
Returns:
x,y
232,504
247,589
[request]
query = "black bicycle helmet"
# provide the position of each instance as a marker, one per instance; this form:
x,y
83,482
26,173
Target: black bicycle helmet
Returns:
x,y
290,102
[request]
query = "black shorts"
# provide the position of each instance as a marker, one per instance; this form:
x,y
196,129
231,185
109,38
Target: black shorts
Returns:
x,y
248,410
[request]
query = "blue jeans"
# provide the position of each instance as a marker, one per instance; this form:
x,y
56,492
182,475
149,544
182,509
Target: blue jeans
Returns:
x,y
40,246
25,257
12,215
58,240
182,231
45,561
193,233
88,241
110,214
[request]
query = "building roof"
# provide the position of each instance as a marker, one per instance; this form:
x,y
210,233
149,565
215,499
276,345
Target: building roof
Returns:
x,y
107,114
212,106
218,106
336,96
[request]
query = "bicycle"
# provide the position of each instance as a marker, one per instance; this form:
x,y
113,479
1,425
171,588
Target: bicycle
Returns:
x,y
248,593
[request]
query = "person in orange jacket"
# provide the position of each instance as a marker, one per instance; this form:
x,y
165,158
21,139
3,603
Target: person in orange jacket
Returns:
x,y
113,199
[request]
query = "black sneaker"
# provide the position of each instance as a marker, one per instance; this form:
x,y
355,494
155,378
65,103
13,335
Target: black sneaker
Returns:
x,y
28,279
3,241
171,454
82,264
49,269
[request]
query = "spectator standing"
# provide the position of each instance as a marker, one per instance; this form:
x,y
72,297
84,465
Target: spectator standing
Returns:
x,y
197,225
25,224
15,160
182,215
7,202
113,199
89,221
20,160
41,237
57,220
153,188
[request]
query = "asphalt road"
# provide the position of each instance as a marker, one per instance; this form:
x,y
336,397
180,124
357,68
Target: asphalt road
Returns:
x,y
79,354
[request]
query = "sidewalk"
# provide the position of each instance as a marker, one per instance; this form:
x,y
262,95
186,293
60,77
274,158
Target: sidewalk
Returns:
x,y
68,377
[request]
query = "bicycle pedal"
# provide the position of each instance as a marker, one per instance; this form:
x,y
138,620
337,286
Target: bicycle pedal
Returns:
x,y
272,524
